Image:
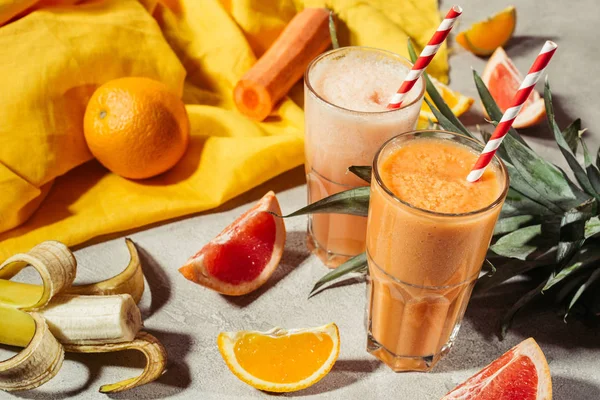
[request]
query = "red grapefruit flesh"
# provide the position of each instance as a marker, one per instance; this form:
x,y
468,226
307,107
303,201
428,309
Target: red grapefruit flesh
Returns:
x,y
244,255
521,373
503,79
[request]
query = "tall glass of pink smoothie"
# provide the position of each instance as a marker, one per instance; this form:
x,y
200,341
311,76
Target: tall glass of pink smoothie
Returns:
x,y
346,93
427,236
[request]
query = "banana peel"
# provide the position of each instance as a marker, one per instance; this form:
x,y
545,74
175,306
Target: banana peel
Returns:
x,y
22,321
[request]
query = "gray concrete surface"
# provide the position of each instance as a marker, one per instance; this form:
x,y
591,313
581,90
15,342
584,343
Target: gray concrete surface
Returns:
x,y
187,318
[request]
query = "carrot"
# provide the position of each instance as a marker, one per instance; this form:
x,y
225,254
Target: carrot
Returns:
x,y
274,74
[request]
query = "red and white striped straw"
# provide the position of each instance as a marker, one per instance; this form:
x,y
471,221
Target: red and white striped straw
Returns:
x,y
536,70
425,57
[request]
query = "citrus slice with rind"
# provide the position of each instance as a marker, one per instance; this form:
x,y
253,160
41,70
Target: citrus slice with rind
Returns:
x,y
521,373
244,255
457,102
483,37
280,360
503,79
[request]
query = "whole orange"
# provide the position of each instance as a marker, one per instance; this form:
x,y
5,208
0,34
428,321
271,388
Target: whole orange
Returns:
x,y
136,127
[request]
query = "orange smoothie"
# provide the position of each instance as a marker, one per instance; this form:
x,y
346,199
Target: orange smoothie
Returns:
x,y
427,237
346,95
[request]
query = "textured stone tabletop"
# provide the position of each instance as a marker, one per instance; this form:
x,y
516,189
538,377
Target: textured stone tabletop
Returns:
x,y
187,318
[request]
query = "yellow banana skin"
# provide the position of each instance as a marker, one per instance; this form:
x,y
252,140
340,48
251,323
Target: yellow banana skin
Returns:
x,y
43,354
129,281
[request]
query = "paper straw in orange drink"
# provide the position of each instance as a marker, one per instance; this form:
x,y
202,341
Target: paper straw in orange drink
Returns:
x,y
536,70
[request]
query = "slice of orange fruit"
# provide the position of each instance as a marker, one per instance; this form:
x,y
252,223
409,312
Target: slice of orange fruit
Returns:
x,y
457,102
483,37
503,79
281,360
521,373
244,255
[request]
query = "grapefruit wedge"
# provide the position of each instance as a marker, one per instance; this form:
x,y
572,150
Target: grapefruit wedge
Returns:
x,y
244,255
521,373
503,79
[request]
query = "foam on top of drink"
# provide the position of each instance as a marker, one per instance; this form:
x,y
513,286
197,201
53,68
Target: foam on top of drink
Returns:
x,y
360,80
431,174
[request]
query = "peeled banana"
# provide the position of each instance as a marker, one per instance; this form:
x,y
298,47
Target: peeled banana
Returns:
x,y
77,319
48,319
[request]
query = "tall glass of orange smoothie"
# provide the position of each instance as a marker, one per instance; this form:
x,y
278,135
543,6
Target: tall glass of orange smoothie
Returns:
x,y
427,236
346,93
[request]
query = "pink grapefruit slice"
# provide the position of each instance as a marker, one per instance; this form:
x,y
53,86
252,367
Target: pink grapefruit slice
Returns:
x,y
244,255
521,373
503,79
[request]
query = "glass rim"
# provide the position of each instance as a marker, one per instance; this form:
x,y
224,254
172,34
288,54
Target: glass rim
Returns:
x,y
489,207
389,53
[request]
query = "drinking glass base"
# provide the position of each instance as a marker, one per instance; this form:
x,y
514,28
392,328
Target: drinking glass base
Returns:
x,y
400,363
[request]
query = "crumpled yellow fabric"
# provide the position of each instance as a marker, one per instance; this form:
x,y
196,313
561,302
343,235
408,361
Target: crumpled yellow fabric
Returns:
x,y
56,52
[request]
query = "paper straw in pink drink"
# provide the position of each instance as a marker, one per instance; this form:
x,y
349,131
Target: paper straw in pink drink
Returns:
x,y
425,57
536,70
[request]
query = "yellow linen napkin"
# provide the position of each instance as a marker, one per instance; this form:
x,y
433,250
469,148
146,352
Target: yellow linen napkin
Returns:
x,y
56,52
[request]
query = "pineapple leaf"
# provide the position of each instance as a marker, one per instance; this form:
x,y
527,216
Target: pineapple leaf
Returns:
x,y
363,172
333,32
592,171
517,203
571,134
591,280
592,227
520,243
507,271
443,121
491,107
520,185
577,169
353,202
584,258
487,265
572,230
355,264
511,224
437,98
545,178
508,317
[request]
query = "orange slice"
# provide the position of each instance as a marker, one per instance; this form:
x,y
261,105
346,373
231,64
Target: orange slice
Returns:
x,y
244,255
521,373
280,360
483,37
457,102
503,79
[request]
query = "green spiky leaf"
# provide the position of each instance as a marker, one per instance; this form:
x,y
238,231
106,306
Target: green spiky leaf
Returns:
x,y
520,243
572,230
592,227
353,202
437,98
363,172
333,32
354,264
595,276
592,171
564,147
545,178
442,120
586,257
571,134
511,224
